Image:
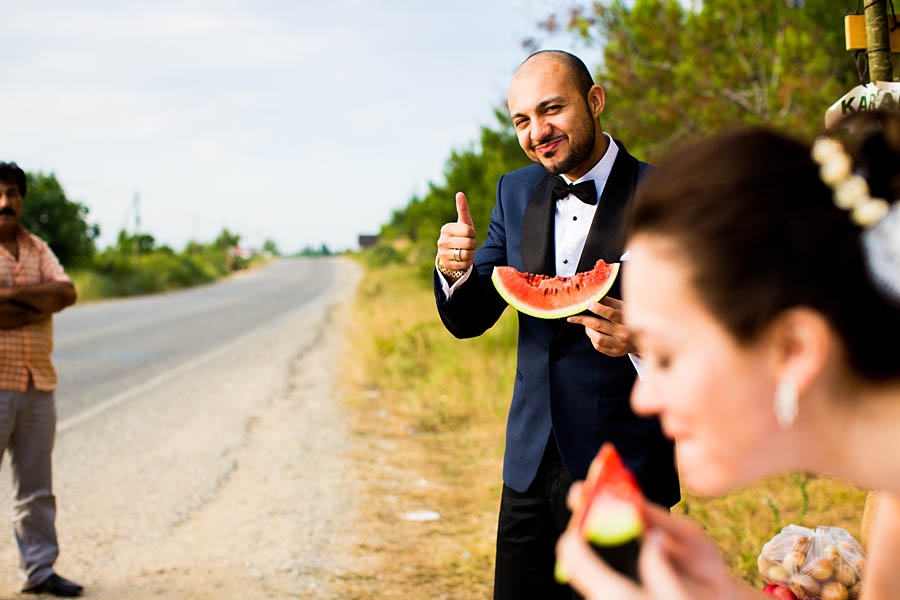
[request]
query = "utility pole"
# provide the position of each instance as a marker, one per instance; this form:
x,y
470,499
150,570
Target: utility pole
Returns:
x,y
877,45
136,206
878,41
873,36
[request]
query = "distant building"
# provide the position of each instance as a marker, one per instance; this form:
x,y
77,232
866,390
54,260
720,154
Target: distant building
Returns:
x,y
245,253
367,241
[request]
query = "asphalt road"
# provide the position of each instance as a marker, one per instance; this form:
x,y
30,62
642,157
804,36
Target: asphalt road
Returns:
x,y
105,349
200,438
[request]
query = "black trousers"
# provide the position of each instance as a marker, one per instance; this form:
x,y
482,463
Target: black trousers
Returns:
x,y
529,526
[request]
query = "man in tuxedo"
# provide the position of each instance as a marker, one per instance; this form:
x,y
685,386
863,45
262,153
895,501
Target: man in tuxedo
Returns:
x,y
574,376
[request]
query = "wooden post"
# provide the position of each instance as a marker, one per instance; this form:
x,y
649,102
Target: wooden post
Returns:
x,y
867,518
878,44
878,41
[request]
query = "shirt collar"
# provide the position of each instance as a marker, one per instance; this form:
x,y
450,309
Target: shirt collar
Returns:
x,y
600,172
23,239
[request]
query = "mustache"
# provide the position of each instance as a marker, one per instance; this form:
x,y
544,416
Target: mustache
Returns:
x,y
7,211
547,140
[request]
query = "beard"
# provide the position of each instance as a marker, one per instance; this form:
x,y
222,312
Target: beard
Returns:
x,y
581,144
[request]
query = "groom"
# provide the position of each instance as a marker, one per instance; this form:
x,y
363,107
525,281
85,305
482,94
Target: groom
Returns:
x,y
573,379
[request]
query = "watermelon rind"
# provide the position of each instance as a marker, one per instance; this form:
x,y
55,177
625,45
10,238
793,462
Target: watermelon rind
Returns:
x,y
567,311
560,573
611,522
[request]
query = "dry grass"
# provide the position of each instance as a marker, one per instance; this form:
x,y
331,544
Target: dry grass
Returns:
x,y
742,521
430,414
429,419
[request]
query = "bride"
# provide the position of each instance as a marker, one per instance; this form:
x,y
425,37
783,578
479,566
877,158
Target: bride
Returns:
x,y
763,294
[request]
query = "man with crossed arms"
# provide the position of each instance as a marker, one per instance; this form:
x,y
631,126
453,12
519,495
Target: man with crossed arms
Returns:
x,y
33,286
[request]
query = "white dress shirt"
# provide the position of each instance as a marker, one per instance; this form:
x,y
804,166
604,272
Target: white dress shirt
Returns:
x,y
574,217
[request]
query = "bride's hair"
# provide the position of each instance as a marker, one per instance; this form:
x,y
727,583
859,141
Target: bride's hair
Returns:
x,y
762,233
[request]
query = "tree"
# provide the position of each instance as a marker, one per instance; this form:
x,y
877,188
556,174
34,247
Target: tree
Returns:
x,y
140,243
58,221
271,247
322,250
227,240
473,171
672,74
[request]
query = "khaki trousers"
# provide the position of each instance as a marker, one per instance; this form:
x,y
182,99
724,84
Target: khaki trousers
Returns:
x,y
28,430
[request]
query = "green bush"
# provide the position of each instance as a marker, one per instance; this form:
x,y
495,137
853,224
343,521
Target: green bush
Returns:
x,y
92,285
383,255
116,273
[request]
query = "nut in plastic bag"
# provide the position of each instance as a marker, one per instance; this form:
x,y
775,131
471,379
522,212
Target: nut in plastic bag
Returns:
x,y
822,564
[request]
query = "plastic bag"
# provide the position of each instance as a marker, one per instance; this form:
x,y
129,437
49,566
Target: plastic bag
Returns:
x,y
822,564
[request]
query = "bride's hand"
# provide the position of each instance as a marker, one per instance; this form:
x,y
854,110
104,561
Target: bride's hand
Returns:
x,y
677,562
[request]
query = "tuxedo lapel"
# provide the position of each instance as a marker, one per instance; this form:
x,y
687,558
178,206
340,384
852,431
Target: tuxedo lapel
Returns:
x,y
538,226
606,237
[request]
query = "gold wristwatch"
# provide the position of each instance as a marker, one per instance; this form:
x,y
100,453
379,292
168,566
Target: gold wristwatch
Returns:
x,y
449,272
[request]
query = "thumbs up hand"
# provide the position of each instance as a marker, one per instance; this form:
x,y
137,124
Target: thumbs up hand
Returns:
x,y
462,211
456,246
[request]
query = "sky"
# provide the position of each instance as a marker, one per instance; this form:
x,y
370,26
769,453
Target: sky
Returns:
x,y
301,122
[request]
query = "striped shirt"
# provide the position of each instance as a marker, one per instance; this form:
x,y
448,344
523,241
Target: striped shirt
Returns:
x,y
26,350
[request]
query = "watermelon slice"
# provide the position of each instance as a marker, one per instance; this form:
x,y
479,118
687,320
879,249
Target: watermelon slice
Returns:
x,y
609,514
554,297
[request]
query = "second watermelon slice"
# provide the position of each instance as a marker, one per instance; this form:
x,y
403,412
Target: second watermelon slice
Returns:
x,y
610,515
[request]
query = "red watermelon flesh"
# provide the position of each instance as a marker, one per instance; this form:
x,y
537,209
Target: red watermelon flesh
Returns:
x,y
782,593
609,515
554,297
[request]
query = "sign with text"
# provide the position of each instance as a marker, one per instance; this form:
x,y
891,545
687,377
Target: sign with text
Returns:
x,y
881,94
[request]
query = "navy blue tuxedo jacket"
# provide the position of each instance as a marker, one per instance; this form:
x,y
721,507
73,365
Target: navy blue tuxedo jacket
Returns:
x,y
563,385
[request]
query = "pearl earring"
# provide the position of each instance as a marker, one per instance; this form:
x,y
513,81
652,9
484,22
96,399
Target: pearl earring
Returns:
x,y
786,403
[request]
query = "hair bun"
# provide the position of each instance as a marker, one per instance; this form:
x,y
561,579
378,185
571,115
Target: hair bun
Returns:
x,y
872,139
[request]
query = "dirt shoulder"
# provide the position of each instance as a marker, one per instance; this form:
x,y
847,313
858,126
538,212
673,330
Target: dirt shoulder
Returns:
x,y
278,524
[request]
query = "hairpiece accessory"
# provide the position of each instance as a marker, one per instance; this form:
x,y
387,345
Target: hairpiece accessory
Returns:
x,y
881,240
851,192
786,403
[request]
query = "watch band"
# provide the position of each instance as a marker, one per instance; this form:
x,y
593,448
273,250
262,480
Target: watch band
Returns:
x,y
449,272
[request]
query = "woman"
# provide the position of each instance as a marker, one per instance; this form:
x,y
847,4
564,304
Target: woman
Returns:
x,y
763,292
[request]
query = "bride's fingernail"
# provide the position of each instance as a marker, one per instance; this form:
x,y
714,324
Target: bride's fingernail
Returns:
x,y
655,537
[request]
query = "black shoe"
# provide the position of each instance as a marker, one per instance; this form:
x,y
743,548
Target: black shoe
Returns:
x,y
56,585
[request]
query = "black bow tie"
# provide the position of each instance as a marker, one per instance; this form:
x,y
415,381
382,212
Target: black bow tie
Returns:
x,y
585,191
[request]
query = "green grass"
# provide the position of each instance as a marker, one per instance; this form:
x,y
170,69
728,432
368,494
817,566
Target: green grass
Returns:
x,y
114,274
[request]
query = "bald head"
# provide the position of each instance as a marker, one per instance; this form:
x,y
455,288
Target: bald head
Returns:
x,y
578,72
555,109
